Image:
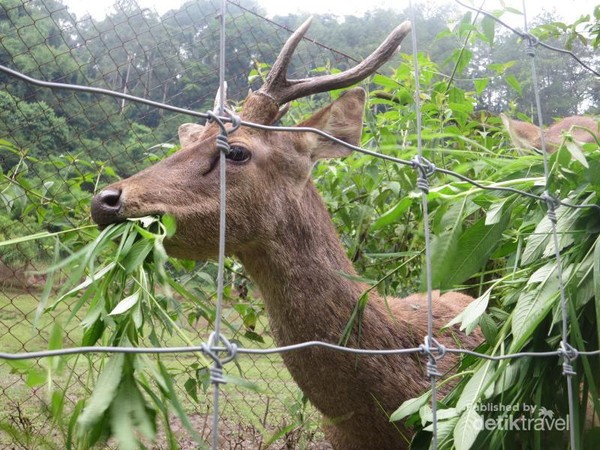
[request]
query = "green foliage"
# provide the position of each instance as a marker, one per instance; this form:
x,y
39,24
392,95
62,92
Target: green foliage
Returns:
x,y
497,245
19,255
126,296
56,148
14,214
34,126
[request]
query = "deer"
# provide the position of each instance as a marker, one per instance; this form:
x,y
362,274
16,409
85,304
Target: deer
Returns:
x,y
527,136
279,228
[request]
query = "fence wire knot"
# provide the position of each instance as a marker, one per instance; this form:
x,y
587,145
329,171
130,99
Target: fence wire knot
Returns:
x,y
222,138
425,169
223,144
552,203
209,348
532,43
428,350
569,353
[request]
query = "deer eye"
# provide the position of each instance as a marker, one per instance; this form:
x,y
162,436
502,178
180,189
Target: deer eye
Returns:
x,y
238,154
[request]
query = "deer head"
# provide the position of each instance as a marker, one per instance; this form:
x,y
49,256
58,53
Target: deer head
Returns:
x,y
527,136
265,170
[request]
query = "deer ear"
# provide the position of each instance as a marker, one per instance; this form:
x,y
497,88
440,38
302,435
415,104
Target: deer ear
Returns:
x,y
189,133
343,119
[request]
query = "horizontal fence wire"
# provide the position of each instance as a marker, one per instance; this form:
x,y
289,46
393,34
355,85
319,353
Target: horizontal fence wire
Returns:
x,y
283,349
526,36
426,165
420,164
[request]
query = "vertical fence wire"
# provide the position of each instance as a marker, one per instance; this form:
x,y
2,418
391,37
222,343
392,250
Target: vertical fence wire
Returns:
x,y
422,183
551,204
216,338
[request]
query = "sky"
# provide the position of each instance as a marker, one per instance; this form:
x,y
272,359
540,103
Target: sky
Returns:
x,y
568,9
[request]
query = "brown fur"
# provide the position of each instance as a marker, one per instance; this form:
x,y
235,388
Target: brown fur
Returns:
x,y
527,136
279,228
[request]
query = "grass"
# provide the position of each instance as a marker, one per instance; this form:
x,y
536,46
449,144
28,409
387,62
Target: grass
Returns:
x,y
22,382
117,291
250,416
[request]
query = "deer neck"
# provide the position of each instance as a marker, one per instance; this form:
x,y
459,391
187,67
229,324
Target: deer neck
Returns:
x,y
302,273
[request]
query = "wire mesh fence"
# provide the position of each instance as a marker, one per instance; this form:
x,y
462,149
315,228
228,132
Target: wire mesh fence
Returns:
x,y
93,139
134,53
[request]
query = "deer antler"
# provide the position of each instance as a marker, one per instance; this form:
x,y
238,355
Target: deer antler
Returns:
x,y
282,90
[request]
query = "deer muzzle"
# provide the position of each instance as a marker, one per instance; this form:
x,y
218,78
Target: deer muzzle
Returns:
x,y
107,207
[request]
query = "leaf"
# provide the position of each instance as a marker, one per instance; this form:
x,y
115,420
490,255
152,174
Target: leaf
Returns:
x,y
104,392
494,213
57,403
542,273
577,153
191,387
444,250
129,414
532,306
73,422
469,317
93,333
537,242
462,58
488,26
31,237
136,255
475,246
385,81
56,337
54,343
392,215
251,335
470,422
444,428
95,311
144,233
126,304
170,224
507,378
444,247
565,226
35,378
441,414
146,221
480,84
488,328
514,83
410,406
467,428
501,68
47,287
459,212
478,386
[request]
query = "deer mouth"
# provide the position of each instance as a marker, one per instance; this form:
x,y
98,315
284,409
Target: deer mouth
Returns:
x,y
108,208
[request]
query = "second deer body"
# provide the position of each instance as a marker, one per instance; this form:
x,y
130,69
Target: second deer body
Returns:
x,y
581,129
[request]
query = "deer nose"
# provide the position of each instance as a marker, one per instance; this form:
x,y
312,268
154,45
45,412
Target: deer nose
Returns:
x,y
106,206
